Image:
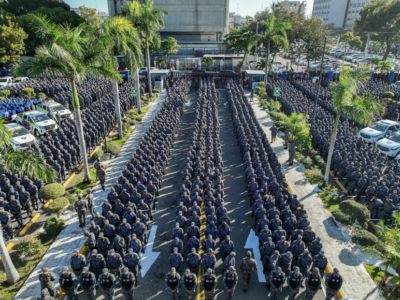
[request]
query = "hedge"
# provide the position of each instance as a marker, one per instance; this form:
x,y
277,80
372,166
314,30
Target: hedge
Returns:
x,y
319,162
54,226
112,148
58,205
389,95
138,118
364,238
344,217
314,176
155,91
359,211
28,92
98,154
71,198
52,191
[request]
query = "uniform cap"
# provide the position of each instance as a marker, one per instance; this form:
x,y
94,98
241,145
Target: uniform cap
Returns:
x,y
64,270
231,268
175,250
45,270
248,253
76,251
112,251
101,234
315,269
126,270
336,270
85,269
209,271
130,250
94,251
193,250
318,238
297,269
232,254
299,237
210,250
278,269
105,271
276,252
322,252
173,270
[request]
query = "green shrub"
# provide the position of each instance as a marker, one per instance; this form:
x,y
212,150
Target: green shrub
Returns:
x,y
54,226
314,176
138,118
112,148
343,216
6,93
58,205
132,122
42,96
307,162
28,92
319,162
313,153
71,198
52,191
359,211
30,246
156,91
364,238
389,95
3,98
98,154
260,83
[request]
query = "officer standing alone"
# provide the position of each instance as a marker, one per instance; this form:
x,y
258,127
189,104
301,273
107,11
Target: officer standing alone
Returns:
x,y
292,152
81,208
247,266
90,201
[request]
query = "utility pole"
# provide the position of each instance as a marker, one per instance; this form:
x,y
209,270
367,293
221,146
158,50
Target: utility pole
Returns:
x,y
319,86
255,51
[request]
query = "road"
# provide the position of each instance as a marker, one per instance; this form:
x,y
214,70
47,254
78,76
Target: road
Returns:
x,y
152,286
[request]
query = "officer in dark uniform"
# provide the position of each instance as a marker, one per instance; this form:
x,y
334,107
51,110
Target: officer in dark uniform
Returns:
x,y
97,263
107,284
90,201
5,219
172,283
189,283
294,282
230,280
88,283
34,194
47,279
208,284
313,283
127,282
101,175
68,283
81,208
77,261
132,262
276,282
333,283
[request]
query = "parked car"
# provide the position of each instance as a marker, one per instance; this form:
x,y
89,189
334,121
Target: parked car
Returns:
x,y
6,81
225,72
379,130
20,79
279,65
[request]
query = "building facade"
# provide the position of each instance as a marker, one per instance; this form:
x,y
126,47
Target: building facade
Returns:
x,y
235,20
340,12
294,5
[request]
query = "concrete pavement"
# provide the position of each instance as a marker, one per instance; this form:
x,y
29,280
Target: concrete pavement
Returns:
x,y
72,237
357,282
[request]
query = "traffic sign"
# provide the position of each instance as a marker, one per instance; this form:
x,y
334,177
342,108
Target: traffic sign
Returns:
x,y
277,92
133,92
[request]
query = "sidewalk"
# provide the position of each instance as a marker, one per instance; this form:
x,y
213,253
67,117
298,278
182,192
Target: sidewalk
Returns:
x,y
72,237
357,284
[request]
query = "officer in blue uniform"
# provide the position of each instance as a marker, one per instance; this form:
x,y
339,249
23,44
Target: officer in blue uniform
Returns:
x,y
127,282
294,282
68,284
77,261
97,263
132,262
107,284
88,283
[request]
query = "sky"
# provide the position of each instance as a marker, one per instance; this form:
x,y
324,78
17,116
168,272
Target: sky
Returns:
x,y
244,7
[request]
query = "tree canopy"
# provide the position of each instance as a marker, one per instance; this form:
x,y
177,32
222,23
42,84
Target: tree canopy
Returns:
x,y
353,41
381,19
169,46
11,39
89,15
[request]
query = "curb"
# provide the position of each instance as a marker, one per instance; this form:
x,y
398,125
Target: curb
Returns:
x,y
35,217
46,205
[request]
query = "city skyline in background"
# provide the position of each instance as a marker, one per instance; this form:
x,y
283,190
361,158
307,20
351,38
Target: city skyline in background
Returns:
x,y
244,8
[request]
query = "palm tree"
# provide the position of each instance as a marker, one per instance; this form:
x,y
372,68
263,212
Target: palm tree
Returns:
x,y
275,31
28,163
388,247
115,34
346,103
384,66
147,20
68,53
208,61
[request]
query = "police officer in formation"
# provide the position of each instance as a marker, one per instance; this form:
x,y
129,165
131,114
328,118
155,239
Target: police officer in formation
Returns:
x,y
68,283
230,280
47,279
365,172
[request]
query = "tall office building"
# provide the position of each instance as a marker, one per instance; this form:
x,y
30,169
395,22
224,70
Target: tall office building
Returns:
x,y
294,5
340,12
189,20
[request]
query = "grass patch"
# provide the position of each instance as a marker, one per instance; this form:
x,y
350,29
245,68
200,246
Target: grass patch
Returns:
x,y
314,176
121,142
24,268
81,187
331,202
392,289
